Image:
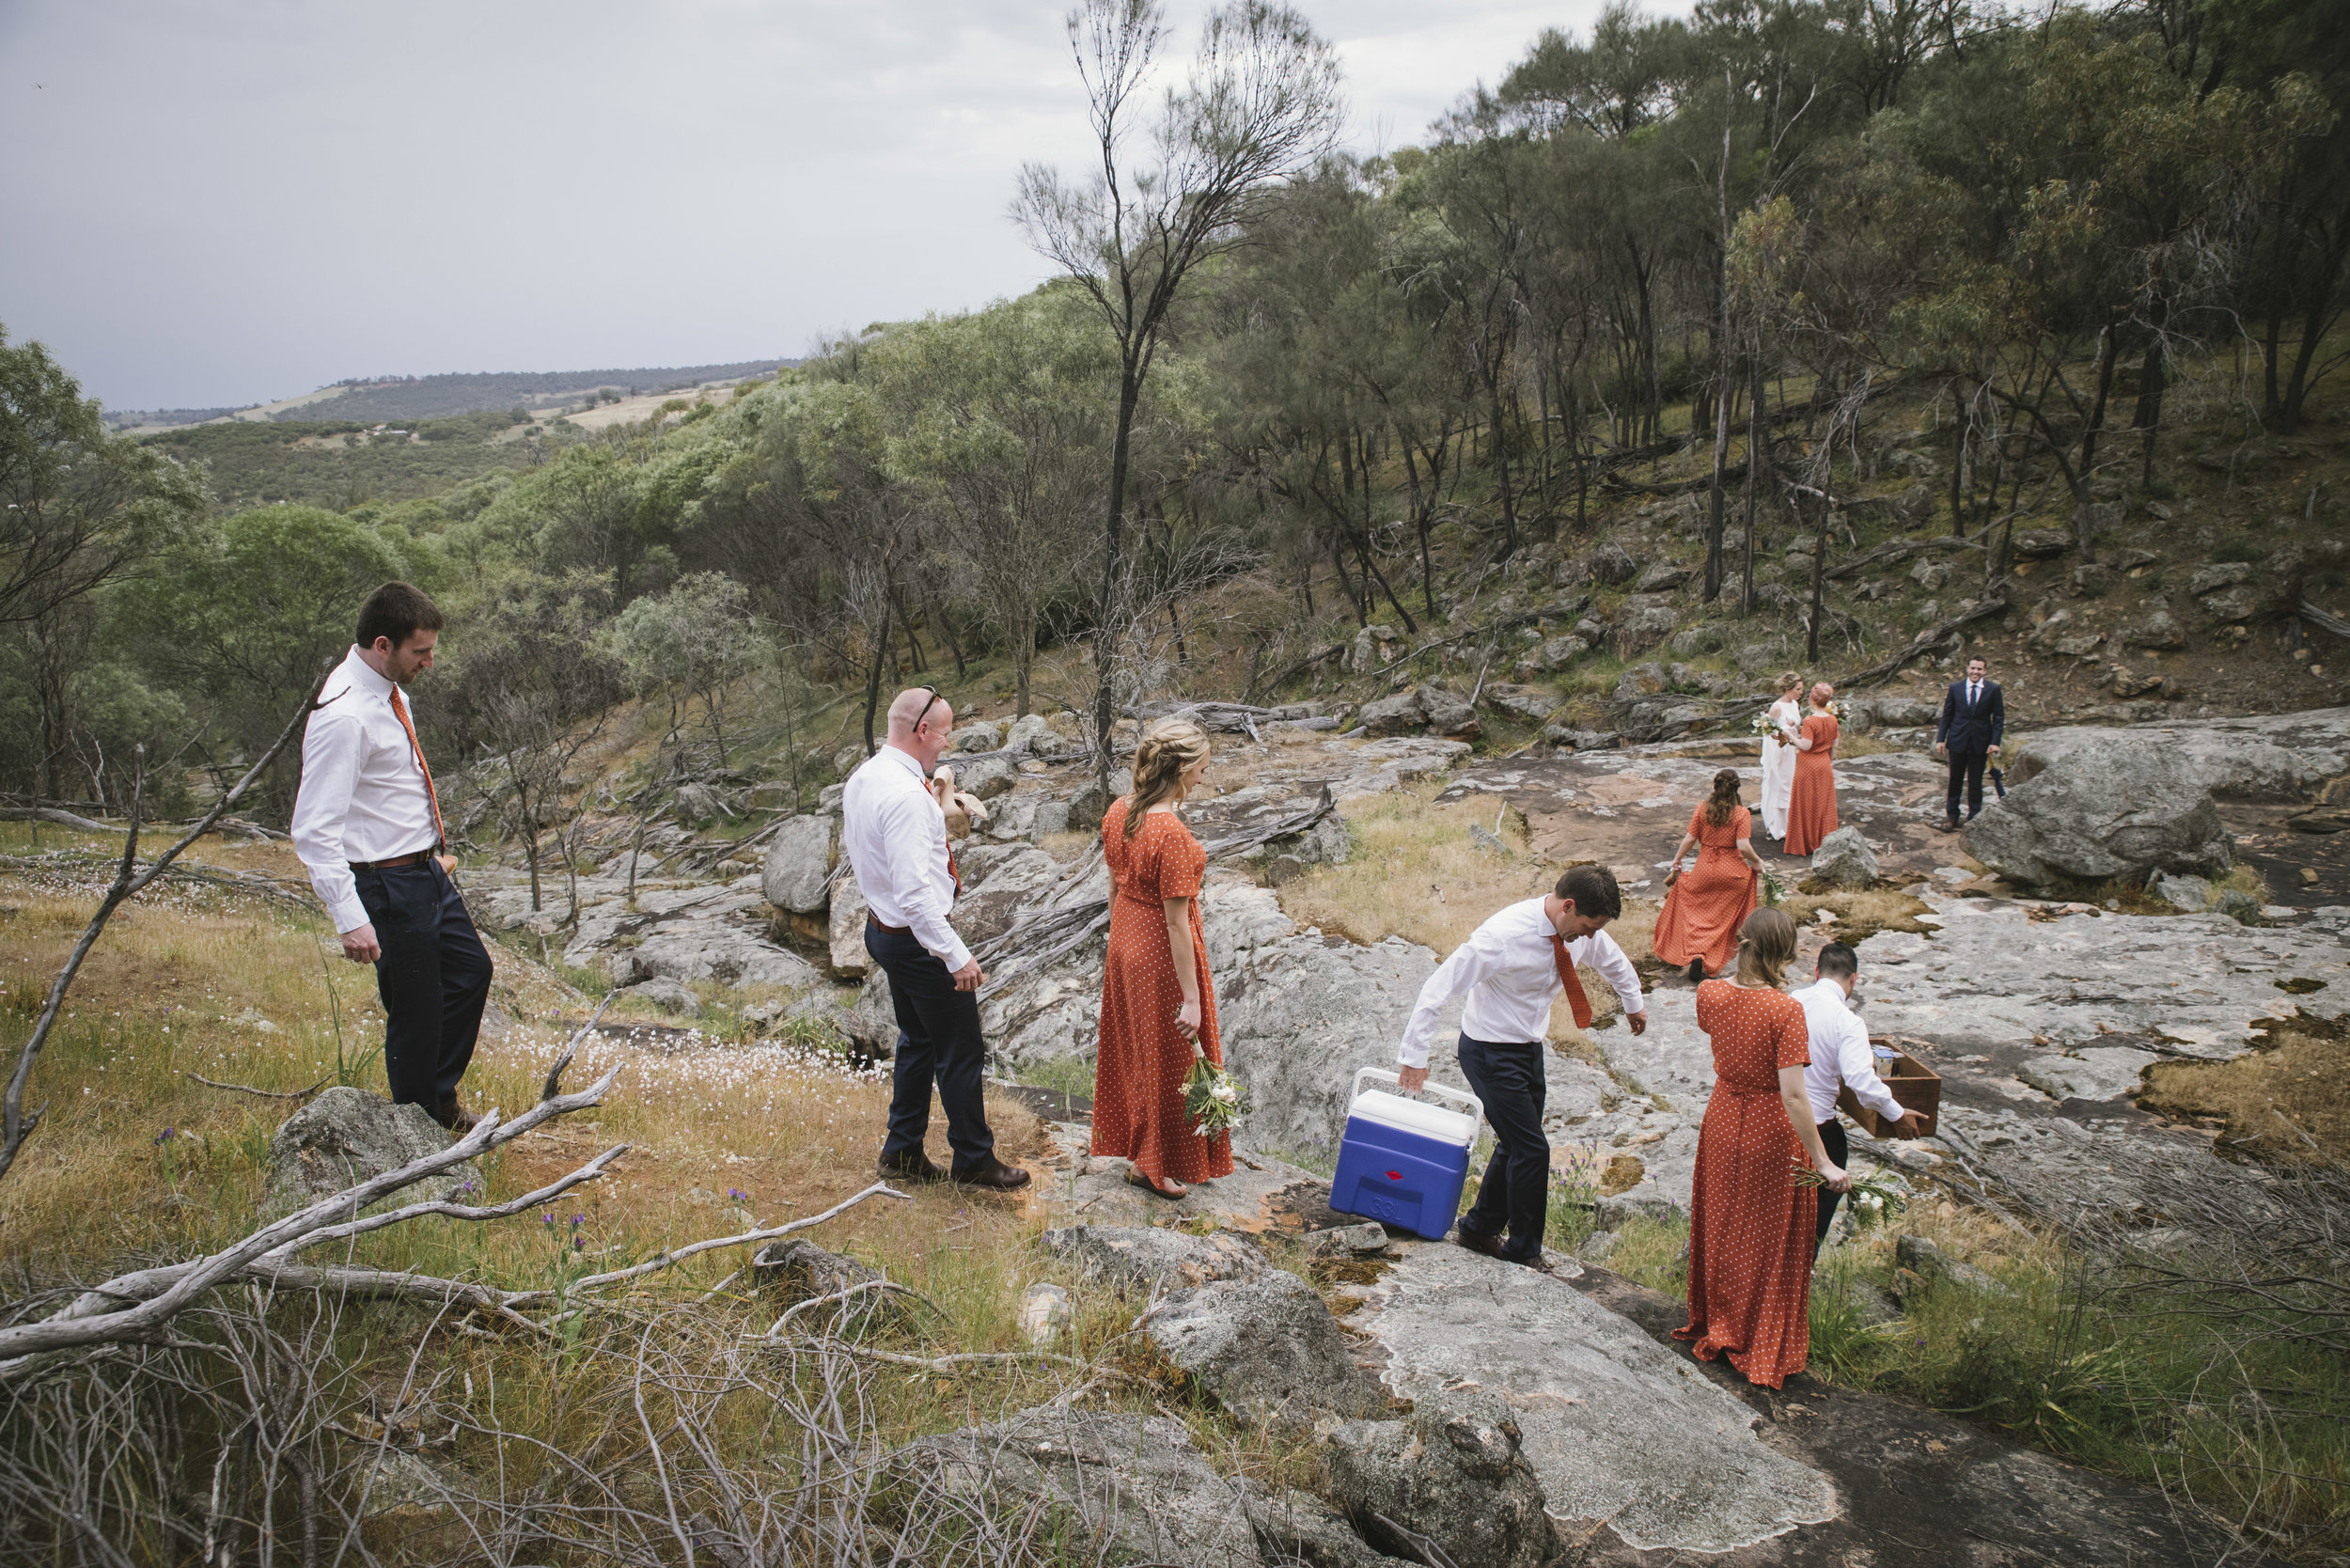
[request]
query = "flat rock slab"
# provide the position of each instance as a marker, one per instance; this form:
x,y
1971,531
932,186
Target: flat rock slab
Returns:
x,y
2096,1073
1917,1487
1618,1429
1082,1189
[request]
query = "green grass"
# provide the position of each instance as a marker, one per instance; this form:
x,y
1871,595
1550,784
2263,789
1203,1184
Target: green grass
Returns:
x,y
1061,1074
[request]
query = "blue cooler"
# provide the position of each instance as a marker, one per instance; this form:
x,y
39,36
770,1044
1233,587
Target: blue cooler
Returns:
x,y
1402,1162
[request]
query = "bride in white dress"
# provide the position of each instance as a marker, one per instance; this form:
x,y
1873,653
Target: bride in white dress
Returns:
x,y
1778,756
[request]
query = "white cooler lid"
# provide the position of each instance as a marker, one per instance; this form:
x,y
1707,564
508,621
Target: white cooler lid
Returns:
x,y
1416,1116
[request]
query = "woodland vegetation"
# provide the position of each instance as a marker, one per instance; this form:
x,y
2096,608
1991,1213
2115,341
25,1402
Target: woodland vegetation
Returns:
x,y
2060,235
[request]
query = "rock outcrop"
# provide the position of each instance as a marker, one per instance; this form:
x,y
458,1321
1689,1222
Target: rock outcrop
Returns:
x,y
1266,1349
2123,808
345,1136
1844,859
1138,1257
799,863
1449,1475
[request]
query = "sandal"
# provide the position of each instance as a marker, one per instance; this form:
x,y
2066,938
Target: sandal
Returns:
x,y
1170,1190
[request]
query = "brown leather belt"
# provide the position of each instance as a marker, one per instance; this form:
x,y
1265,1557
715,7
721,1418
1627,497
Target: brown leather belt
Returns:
x,y
394,862
894,931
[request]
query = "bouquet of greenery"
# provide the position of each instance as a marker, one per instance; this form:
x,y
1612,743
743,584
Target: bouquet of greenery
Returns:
x,y
1761,724
1871,1197
1213,1099
1774,891
1839,710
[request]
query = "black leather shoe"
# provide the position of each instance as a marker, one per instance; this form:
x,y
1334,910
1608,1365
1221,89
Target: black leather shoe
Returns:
x,y
1951,825
455,1118
1492,1248
917,1169
996,1176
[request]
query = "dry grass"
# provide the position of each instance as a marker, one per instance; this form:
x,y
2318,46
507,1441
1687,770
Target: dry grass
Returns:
x,y
1417,874
2275,1103
1859,915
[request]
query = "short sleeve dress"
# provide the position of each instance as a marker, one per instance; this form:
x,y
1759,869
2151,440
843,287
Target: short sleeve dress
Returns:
x,y
1812,804
1707,904
1750,1223
1143,1059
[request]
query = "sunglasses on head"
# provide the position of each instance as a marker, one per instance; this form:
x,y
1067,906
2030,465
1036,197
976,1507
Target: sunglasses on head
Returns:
x,y
926,708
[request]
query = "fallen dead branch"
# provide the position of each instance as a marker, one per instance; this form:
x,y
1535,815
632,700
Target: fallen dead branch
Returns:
x,y
263,1093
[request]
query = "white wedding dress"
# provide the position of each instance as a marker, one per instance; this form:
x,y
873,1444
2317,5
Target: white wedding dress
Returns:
x,y
1778,768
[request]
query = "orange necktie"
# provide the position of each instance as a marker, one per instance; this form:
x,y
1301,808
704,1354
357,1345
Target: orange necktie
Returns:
x,y
440,836
1577,1003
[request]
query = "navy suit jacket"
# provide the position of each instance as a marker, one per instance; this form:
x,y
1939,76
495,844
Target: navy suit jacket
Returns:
x,y
1964,728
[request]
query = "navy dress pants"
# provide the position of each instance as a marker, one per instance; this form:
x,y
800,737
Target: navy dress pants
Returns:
x,y
1516,1192
938,1043
434,977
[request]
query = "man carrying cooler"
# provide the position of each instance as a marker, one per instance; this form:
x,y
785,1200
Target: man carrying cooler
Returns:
x,y
1513,967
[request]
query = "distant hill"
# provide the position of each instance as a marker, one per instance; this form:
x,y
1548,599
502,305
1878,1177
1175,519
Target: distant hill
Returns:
x,y
398,398
341,464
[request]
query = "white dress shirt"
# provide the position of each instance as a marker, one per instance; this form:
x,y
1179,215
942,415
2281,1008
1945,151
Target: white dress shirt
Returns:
x,y
1512,980
363,795
1974,693
1839,1055
893,835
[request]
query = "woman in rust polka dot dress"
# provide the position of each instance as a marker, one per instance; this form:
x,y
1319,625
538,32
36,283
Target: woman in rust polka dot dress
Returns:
x,y
1158,1007
1749,1223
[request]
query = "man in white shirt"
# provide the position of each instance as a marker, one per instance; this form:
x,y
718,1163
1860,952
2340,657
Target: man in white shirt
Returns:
x,y
893,833
1841,1057
1513,967
368,826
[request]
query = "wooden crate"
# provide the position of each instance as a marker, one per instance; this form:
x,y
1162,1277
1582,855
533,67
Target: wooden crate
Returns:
x,y
1914,1087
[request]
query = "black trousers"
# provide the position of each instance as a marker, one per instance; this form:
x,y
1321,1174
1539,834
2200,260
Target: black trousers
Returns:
x,y
938,1043
1832,1138
434,977
1515,1192
1967,761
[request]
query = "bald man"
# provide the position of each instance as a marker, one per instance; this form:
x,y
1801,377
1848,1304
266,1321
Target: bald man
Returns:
x,y
893,831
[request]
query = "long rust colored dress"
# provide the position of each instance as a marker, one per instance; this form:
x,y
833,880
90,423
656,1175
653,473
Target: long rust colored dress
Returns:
x,y
1812,809
1140,1071
1749,1223
1708,902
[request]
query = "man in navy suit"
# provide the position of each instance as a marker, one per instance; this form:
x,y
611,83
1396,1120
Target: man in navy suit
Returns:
x,y
1974,721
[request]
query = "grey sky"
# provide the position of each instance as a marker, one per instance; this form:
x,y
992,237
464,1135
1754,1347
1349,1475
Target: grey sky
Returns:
x,y
225,201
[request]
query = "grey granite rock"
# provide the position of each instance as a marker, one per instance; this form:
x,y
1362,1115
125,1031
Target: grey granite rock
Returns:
x,y
2095,1072
2122,808
1139,1257
2190,893
1844,859
799,863
1399,714
1266,1349
345,1135
1449,1476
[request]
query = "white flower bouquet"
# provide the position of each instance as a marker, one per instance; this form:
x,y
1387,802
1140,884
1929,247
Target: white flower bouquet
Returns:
x,y
1213,1099
1839,710
1871,1200
1761,724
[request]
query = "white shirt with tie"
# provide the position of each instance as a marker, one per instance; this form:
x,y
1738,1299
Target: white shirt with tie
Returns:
x,y
893,833
1974,693
1839,1055
1511,978
362,794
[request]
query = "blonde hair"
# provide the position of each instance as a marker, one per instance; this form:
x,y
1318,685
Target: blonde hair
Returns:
x,y
1766,945
1167,748
1789,680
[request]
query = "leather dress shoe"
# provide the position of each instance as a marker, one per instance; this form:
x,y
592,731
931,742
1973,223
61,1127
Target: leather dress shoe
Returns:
x,y
455,1118
995,1176
1947,826
917,1169
1476,1241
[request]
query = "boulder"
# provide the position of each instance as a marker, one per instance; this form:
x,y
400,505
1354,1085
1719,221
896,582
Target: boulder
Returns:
x,y
2239,906
801,1269
668,995
871,1024
1613,565
2125,808
2220,574
1371,649
2042,544
799,863
1449,1476
1844,859
1033,735
1639,682
1662,577
988,776
706,947
1905,713
1139,1258
1125,1487
1449,714
1533,704
1931,574
700,805
2232,606
345,1136
978,735
2189,893
1342,1241
2158,628
1398,714
1088,807
1645,626
1266,1349
847,933
1582,739
1559,652
2089,581
996,889
1696,640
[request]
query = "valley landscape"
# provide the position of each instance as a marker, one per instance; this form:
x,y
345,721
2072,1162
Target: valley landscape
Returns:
x,y
1473,496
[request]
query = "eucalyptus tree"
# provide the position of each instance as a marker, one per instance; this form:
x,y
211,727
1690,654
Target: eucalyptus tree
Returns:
x,y
1261,104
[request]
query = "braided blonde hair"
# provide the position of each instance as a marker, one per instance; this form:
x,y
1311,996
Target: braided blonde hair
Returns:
x,y
1166,749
